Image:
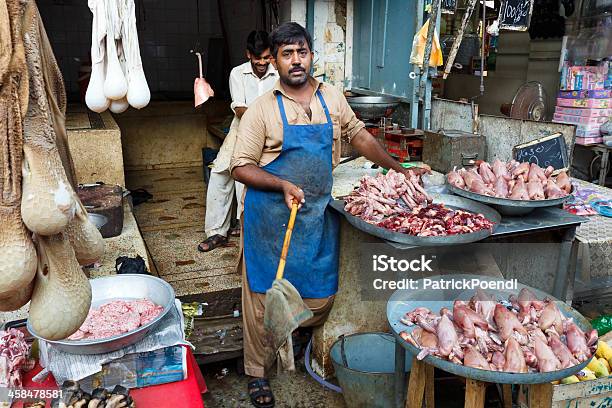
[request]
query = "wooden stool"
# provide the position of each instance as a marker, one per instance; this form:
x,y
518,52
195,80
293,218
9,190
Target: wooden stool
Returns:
x,y
421,387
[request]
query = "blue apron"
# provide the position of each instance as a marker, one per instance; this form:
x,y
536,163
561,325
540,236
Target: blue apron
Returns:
x,y
312,261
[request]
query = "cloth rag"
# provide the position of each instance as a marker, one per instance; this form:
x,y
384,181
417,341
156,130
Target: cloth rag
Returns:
x,y
285,311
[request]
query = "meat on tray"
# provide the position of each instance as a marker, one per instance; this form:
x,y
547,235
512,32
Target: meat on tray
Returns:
x,y
14,357
116,317
399,203
436,220
513,180
521,335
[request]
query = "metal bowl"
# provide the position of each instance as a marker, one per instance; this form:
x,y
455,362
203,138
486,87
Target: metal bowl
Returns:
x,y
506,206
120,287
373,107
98,220
403,301
407,239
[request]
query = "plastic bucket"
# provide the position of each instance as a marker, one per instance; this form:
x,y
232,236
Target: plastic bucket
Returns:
x,y
365,367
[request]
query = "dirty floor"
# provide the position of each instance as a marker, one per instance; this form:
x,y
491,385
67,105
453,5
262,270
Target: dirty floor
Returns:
x,y
172,225
299,390
295,390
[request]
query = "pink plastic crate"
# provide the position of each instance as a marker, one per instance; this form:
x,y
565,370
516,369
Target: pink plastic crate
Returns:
x,y
585,103
579,120
588,140
593,113
597,94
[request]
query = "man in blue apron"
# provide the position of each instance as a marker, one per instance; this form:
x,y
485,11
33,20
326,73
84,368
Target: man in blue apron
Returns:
x,y
288,143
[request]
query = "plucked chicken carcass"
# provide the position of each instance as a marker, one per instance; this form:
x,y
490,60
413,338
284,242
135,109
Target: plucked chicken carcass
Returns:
x,y
513,180
529,334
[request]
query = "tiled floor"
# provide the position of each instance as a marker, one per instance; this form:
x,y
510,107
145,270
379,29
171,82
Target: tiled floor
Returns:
x,y
172,225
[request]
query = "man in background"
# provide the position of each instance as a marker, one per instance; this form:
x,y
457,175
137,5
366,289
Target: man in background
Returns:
x,y
247,82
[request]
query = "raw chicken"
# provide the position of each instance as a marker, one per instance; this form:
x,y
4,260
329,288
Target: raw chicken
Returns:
x,y
551,317
514,357
576,341
536,173
561,351
508,324
552,190
473,358
547,361
501,188
477,186
522,169
519,191
486,173
535,190
564,182
500,170
455,179
448,340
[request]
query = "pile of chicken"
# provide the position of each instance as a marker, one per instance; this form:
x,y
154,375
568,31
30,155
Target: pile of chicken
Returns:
x,y
526,335
400,203
385,195
513,180
45,234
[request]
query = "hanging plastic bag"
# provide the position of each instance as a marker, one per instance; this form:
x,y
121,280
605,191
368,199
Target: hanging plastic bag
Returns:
x,y
418,48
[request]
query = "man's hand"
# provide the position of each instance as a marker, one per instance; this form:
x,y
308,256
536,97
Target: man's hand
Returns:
x,y
419,171
292,192
256,177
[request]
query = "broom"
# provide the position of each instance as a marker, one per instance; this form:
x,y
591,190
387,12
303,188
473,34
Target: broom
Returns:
x,y
284,308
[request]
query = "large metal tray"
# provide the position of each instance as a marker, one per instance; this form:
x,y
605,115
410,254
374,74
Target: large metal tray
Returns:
x,y
446,199
506,206
373,107
120,287
403,301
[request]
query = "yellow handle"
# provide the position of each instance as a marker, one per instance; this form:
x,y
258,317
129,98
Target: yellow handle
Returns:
x,y
283,258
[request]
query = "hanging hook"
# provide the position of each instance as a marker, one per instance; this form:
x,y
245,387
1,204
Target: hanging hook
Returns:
x,y
199,55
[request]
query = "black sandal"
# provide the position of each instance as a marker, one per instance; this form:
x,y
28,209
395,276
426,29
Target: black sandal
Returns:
x,y
258,388
212,242
234,232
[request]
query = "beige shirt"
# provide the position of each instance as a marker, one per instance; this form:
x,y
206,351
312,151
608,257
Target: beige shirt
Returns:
x,y
245,86
260,134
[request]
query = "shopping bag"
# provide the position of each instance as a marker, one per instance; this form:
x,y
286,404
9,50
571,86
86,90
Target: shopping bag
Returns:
x,y
418,48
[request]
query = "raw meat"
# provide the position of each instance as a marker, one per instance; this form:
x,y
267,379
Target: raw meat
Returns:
x,y
513,180
14,357
117,317
401,204
518,344
436,220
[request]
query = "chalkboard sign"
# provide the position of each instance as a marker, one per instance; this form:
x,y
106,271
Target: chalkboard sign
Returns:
x,y
547,151
448,6
515,14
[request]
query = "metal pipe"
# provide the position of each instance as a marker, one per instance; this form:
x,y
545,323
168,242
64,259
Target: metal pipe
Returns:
x,y
482,49
384,44
433,17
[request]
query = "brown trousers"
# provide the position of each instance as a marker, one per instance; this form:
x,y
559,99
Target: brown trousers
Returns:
x,y
253,307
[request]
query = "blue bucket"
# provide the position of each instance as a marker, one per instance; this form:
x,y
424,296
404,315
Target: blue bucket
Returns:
x,y
367,371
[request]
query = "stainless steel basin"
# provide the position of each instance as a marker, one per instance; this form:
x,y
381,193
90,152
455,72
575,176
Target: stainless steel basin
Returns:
x,y
373,107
